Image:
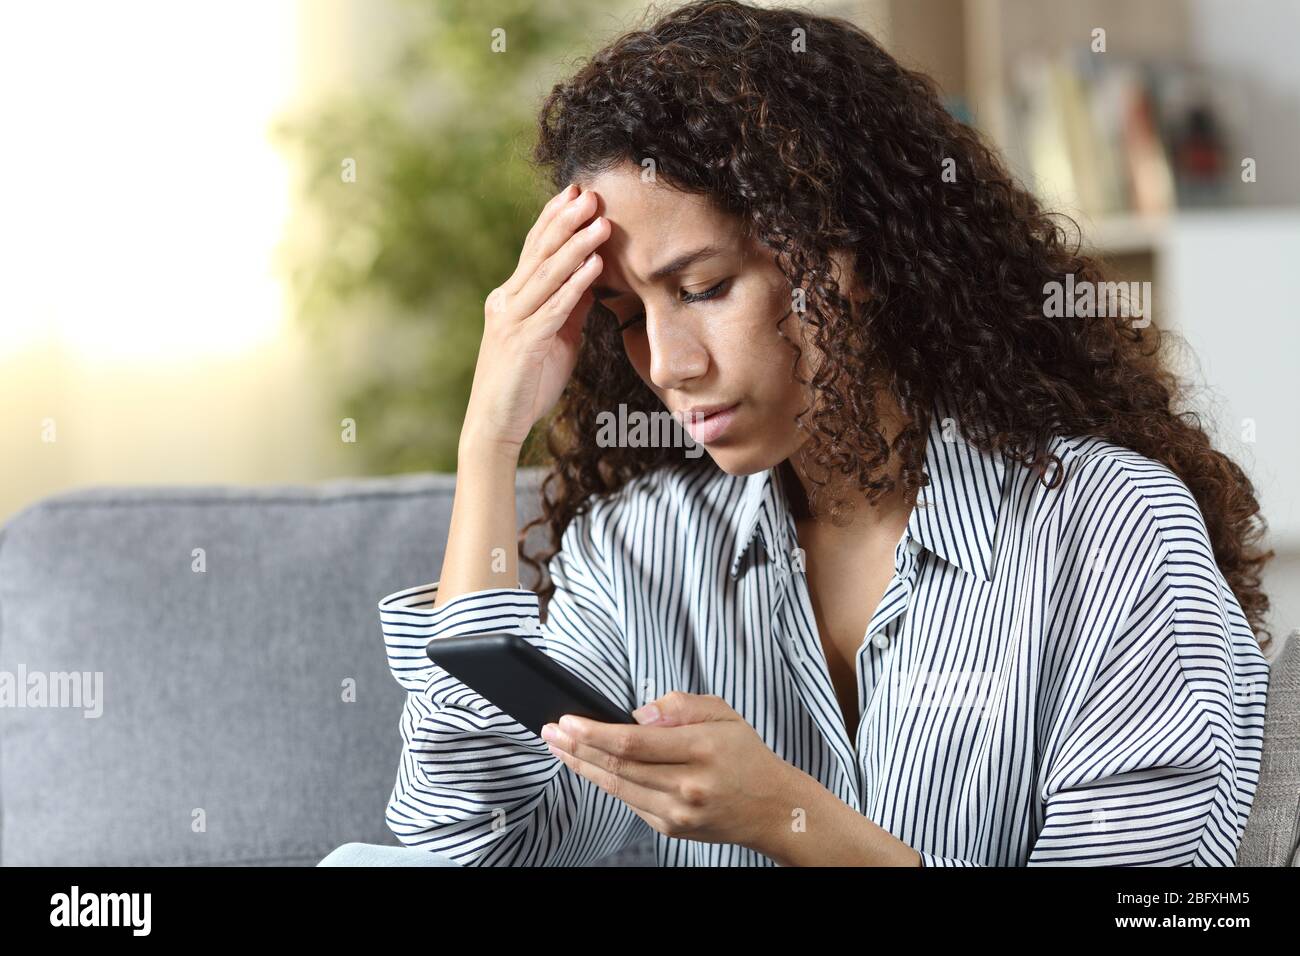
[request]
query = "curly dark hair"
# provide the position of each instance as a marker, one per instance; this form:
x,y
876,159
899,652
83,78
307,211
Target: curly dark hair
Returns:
x,y
837,146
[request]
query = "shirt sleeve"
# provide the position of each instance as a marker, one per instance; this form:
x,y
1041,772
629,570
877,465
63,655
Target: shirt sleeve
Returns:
x,y
475,784
1161,758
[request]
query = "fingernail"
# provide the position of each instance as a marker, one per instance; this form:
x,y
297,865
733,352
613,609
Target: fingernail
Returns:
x,y
548,732
647,714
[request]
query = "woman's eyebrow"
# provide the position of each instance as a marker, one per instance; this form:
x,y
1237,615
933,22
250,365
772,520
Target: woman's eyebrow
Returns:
x,y
672,267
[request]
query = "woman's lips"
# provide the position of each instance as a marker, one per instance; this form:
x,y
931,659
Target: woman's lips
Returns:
x,y
710,428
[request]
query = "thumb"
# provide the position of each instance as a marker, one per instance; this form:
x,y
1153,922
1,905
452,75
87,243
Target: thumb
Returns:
x,y
678,708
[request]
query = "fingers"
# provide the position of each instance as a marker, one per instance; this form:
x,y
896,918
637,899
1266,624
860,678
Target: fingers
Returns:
x,y
522,268
563,224
550,317
552,208
652,788
645,743
560,263
556,222
660,806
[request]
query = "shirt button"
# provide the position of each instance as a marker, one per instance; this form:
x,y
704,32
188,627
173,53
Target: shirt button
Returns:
x,y
881,640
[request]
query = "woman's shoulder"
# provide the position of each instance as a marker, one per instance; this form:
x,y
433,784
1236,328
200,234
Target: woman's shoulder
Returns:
x,y
1126,495
1128,528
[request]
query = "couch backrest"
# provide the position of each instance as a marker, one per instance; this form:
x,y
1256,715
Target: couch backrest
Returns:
x,y
247,714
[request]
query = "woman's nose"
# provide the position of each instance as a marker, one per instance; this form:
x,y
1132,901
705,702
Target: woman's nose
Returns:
x,y
676,354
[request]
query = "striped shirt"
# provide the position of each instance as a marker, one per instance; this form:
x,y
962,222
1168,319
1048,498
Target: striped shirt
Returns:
x,y
1052,677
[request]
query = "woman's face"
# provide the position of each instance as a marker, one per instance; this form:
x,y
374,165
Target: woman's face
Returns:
x,y
700,308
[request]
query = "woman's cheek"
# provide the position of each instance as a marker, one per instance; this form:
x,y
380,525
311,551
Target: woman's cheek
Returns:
x,y
638,353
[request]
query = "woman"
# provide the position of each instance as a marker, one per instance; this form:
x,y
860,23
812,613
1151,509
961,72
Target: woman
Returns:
x,y
955,583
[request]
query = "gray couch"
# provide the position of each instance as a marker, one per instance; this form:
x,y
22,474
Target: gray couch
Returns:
x,y
246,713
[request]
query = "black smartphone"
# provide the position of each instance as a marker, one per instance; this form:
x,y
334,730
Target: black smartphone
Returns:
x,y
523,681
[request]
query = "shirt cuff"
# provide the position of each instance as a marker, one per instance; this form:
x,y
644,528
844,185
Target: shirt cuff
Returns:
x,y
410,622
488,611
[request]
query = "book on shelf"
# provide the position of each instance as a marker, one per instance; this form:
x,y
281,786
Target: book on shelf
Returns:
x,y
1112,138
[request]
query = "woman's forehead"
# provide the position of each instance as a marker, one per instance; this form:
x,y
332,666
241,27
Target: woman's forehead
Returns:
x,y
636,203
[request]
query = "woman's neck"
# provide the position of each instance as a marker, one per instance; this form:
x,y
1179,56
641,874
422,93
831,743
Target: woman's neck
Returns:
x,y
886,510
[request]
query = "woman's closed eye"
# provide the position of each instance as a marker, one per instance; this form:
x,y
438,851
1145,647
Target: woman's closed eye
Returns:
x,y
686,297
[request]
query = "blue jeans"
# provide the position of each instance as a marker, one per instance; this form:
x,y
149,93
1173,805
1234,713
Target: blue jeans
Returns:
x,y
373,854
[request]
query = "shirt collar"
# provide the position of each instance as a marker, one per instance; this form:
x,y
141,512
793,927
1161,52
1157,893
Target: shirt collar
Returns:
x,y
955,516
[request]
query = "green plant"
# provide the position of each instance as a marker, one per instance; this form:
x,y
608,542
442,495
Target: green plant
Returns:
x,y
389,271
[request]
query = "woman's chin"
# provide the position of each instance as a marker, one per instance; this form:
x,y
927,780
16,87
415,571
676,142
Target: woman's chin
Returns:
x,y
744,460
